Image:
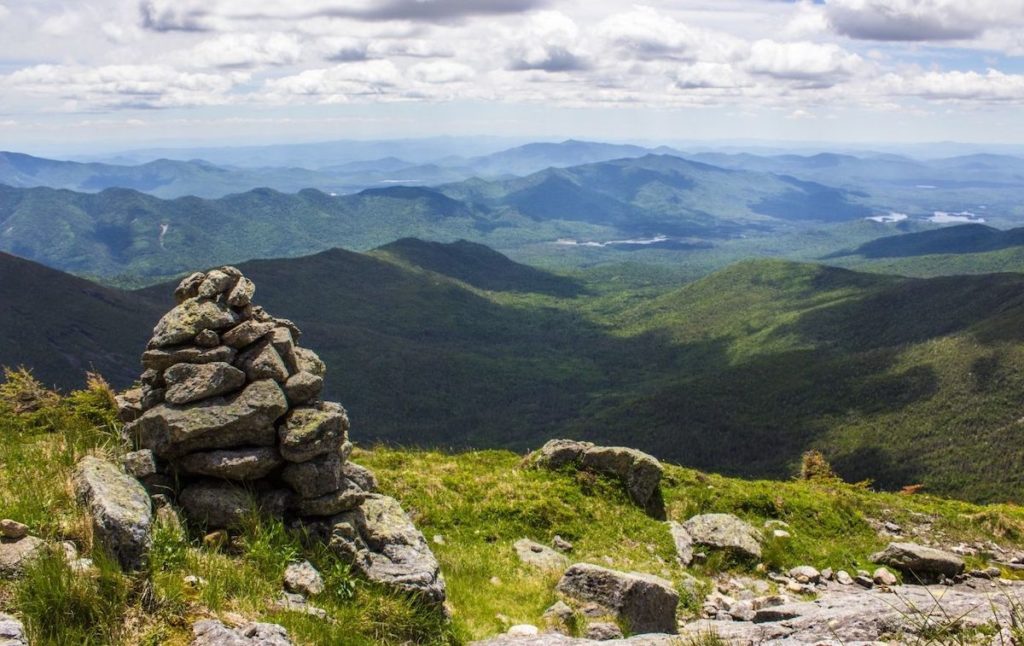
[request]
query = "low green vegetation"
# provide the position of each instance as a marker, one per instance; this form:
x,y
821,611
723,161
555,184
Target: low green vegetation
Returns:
x,y
470,505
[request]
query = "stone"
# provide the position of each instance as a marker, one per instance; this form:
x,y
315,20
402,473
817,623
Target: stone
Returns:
x,y
119,508
302,578
775,613
919,561
309,361
557,453
302,388
189,287
882,576
188,319
241,294
161,359
559,617
281,339
246,333
139,464
308,432
523,630
361,476
216,504
129,405
864,581
247,418
539,556
207,339
347,497
561,544
276,502
805,574
292,602
216,540
261,361
640,472
317,477
210,632
12,632
13,529
250,463
151,397
826,574
843,578
645,602
187,383
603,631
683,542
215,283
726,532
16,554
383,545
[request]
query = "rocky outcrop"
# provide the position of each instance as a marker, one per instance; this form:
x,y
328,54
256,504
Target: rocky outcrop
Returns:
x,y
382,544
646,603
211,632
639,472
119,508
539,556
724,532
919,561
230,408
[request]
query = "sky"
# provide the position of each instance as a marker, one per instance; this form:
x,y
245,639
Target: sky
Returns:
x,y
109,74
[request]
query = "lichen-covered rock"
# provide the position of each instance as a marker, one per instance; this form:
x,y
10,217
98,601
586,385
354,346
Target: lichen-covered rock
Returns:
x,y
261,361
187,383
539,556
347,496
119,508
640,472
246,333
646,603
557,453
189,287
302,578
384,546
361,476
302,388
160,359
725,532
211,632
683,542
216,282
247,418
309,361
139,464
217,504
921,561
242,293
249,463
308,432
188,319
321,475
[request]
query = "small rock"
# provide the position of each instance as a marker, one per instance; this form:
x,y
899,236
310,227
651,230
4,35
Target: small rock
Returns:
x,y
12,632
216,540
603,631
805,574
646,602
139,464
561,544
207,339
826,574
291,602
438,539
775,613
882,576
495,581
843,578
540,556
303,578
360,475
559,617
13,529
15,555
725,531
864,581
683,542
523,630
210,632
781,534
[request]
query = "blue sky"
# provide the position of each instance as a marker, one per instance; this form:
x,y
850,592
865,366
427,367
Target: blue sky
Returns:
x,y
122,73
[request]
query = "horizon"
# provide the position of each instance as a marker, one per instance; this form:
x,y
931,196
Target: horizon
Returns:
x,y
117,75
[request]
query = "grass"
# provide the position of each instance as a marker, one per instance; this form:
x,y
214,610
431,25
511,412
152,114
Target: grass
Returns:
x,y
477,503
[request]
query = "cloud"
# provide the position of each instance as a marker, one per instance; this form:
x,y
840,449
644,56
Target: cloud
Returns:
x,y
705,75
813,64
246,50
921,20
62,24
549,42
339,83
647,34
992,86
441,72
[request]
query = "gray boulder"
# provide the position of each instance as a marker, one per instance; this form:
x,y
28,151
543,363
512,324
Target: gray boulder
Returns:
x,y
539,556
211,632
640,472
261,361
383,545
725,532
683,542
16,554
12,632
925,563
188,319
302,388
309,361
242,293
309,432
557,453
346,497
246,333
232,464
361,476
188,382
245,419
302,578
316,477
119,508
161,359
217,504
645,602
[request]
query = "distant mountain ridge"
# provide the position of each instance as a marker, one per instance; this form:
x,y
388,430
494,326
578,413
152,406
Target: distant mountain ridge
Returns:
x,y
959,239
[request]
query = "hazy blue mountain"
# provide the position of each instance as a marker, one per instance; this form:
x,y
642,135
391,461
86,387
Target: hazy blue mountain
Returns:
x,y
960,239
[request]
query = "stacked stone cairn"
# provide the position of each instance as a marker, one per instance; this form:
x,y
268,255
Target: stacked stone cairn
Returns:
x,y
229,398
229,421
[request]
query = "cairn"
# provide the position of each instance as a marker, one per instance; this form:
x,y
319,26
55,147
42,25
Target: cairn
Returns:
x,y
229,398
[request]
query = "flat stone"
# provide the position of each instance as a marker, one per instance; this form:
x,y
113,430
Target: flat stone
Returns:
x,y
725,531
245,419
302,388
13,529
539,556
348,496
919,560
317,477
161,359
210,632
292,602
246,333
129,405
187,383
383,545
683,542
303,578
217,504
308,432
645,602
16,554
119,508
188,319
249,463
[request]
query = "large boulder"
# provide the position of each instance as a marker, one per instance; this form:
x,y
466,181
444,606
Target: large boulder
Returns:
x,y
556,454
925,563
646,603
640,472
245,419
725,532
211,632
119,508
384,546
